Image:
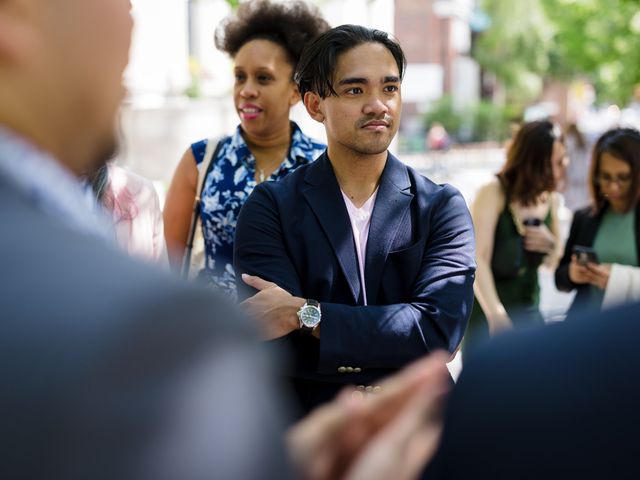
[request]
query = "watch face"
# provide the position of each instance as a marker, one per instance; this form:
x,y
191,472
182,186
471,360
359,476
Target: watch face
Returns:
x,y
310,316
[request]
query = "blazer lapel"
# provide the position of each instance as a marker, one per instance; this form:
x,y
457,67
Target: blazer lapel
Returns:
x,y
390,212
325,199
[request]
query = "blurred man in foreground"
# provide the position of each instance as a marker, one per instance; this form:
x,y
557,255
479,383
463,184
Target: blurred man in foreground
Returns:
x,y
109,368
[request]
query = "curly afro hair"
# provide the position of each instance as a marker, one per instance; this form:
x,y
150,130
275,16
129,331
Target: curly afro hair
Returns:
x,y
292,25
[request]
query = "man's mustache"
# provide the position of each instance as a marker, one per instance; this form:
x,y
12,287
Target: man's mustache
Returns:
x,y
380,118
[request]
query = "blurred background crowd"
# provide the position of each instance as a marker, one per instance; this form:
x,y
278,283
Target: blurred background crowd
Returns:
x,y
477,70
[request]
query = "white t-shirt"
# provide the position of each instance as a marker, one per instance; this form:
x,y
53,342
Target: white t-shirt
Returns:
x,y
360,222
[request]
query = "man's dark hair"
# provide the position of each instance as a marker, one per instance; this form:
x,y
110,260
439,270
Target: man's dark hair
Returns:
x,y
292,25
317,64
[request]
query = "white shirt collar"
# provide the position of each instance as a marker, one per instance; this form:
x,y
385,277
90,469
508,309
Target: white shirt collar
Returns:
x,y
360,222
53,188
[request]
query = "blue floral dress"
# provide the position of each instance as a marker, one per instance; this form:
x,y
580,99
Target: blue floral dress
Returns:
x,y
227,187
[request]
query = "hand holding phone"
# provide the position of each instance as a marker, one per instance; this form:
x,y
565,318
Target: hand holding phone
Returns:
x,y
532,222
585,255
538,239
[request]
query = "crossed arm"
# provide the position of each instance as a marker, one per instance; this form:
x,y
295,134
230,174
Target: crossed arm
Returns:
x,y
433,316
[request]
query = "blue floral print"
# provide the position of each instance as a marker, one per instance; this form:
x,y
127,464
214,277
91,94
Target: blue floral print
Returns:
x,y
227,187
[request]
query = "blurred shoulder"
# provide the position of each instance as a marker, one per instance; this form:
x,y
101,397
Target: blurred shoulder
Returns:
x,y
584,213
493,188
82,279
121,178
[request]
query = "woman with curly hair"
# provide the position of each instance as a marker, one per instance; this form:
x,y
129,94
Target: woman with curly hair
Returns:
x,y
265,40
517,229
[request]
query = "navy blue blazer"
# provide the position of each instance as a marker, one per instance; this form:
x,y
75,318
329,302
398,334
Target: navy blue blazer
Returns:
x,y
419,268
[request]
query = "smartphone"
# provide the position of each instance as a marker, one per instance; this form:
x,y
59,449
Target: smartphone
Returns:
x,y
532,222
585,254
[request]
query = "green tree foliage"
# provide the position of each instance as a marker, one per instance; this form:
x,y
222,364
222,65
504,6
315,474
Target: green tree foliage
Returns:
x,y
530,40
599,39
444,112
476,122
515,47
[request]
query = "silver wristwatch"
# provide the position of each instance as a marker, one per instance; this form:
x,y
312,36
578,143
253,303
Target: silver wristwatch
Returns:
x,y
309,316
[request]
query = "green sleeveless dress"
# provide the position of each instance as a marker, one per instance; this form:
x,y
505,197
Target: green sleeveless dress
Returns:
x,y
515,274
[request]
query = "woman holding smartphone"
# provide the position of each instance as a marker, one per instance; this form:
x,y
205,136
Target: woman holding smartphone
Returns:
x,y
608,230
517,229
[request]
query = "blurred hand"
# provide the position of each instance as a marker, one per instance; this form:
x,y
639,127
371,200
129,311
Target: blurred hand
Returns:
x,y
539,239
579,273
273,308
599,274
391,434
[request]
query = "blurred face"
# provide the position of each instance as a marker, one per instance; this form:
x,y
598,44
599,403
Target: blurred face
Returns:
x,y
85,50
264,90
363,117
559,163
615,178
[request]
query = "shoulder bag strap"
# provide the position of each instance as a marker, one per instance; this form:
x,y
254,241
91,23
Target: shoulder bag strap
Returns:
x,y
210,153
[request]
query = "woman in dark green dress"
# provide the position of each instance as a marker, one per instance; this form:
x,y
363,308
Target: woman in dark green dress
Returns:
x,y
516,222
